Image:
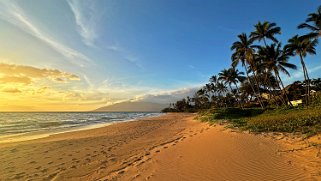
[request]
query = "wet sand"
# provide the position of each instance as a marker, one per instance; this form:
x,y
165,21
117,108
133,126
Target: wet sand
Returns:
x,y
170,147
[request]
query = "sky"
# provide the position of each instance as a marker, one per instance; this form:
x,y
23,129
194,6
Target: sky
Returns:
x,y
81,55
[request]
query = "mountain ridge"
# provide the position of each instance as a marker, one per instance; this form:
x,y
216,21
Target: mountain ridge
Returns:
x,y
132,107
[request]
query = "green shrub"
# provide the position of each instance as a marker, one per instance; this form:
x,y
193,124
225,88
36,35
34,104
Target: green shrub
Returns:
x,y
299,119
296,120
236,113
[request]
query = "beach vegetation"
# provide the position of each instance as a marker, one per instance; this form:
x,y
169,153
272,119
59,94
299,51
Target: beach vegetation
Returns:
x,y
257,99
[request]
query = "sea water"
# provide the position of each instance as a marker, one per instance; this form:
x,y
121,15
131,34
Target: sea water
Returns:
x,y
32,125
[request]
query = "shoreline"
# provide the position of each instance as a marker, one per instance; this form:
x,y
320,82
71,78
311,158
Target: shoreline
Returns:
x,y
172,146
21,137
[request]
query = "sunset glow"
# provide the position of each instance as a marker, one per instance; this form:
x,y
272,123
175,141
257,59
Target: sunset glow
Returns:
x,y
81,55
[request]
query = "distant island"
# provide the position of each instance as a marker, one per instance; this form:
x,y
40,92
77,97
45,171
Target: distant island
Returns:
x,y
132,107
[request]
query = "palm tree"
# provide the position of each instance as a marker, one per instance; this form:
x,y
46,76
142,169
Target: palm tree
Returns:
x,y
265,31
208,89
232,76
244,53
276,60
302,46
213,81
201,93
237,77
221,88
313,23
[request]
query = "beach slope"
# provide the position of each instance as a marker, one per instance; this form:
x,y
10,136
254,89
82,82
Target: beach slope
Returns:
x,y
170,147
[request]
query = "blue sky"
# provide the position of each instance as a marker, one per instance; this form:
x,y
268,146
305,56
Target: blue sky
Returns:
x,y
144,50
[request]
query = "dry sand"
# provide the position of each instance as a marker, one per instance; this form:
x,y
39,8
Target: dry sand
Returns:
x,y
170,147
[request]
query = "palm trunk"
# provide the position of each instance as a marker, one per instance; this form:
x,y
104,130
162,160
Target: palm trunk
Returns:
x,y
231,90
306,81
264,41
279,85
248,77
268,87
258,88
283,90
238,91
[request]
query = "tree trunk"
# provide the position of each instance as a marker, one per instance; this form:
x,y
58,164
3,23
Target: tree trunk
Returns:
x,y
283,90
231,90
306,79
269,86
238,91
264,42
258,88
248,77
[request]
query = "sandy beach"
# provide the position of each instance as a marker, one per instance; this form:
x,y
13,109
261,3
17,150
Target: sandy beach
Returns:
x,y
170,147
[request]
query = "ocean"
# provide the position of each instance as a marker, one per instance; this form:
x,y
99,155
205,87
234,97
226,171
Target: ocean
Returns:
x,y
24,126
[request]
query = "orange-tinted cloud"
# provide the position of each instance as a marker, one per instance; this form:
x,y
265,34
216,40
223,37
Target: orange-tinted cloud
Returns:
x,y
15,79
11,90
12,73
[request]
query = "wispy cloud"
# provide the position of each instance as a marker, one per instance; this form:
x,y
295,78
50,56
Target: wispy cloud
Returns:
x,y
86,19
298,74
12,13
126,55
314,69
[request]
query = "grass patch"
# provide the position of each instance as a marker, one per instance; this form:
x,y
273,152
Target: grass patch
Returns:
x,y
236,113
301,120
306,121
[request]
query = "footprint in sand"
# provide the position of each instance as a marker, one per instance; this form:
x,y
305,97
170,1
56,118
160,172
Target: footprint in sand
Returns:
x,y
136,176
16,177
50,177
13,150
44,170
104,162
121,172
